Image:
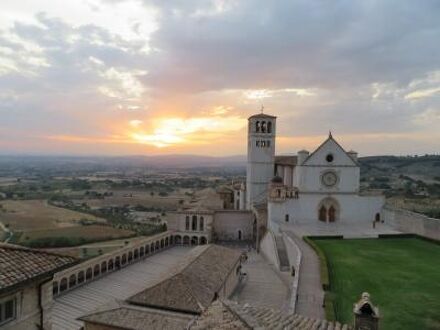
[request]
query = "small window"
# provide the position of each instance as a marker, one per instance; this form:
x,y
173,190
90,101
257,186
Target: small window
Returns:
x,y
269,127
263,127
7,311
257,127
263,143
202,224
187,222
257,143
329,158
268,143
287,218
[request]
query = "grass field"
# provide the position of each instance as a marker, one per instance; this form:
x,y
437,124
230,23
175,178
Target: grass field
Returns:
x,y
28,215
401,274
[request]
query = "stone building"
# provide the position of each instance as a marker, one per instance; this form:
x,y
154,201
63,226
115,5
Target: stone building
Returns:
x,y
322,186
209,273
26,286
201,226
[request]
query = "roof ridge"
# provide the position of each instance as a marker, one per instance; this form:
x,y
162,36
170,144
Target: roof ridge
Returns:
x,y
9,246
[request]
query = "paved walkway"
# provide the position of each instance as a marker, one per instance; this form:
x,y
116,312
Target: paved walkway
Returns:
x,y
310,292
118,285
263,287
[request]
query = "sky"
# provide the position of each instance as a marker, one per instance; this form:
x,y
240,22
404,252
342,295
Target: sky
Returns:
x,y
139,77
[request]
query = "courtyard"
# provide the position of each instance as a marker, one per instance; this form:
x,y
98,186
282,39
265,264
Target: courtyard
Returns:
x,y
401,275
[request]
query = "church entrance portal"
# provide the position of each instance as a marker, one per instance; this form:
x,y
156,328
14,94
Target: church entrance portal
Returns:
x,y
328,210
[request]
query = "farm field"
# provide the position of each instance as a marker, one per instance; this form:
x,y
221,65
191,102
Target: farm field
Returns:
x,y
29,215
133,198
401,274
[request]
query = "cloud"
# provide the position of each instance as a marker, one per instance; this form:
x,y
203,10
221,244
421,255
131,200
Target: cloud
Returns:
x,y
365,68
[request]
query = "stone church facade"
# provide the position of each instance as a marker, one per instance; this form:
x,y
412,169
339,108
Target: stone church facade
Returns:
x,y
322,186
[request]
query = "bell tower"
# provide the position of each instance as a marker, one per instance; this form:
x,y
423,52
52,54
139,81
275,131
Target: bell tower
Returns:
x,y
260,157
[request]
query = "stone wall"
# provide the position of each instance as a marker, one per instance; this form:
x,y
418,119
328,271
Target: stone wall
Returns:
x,y
229,224
295,256
411,222
268,249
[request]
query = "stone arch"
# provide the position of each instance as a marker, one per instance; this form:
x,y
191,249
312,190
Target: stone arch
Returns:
x,y
269,127
110,265
186,240
55,288
147,249
194,223
203,240
171,240
152,247
72,281
136,254
194,240
118,262
263,127
96,270
81,277
328,210
130,256
63,284
201,224
89,274
377,217
166,241
177,239
103,267
124,259
141,251
157,245
162,243
187,222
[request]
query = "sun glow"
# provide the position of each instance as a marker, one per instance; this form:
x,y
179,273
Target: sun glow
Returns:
x,y
172,131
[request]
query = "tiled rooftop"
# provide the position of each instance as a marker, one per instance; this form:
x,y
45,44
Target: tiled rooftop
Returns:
x,y
193,284
19,264
124,316
286,160
224,315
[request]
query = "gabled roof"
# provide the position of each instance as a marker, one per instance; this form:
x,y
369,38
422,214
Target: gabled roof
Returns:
x,y
193,285
20,265
125,316
330,138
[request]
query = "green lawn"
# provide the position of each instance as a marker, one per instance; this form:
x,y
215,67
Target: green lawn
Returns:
x,y
402,276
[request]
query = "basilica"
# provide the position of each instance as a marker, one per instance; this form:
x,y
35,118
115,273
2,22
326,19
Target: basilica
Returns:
x,y
309,187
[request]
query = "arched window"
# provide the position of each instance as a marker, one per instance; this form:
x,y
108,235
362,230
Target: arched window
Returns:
x,y
186,240
323,213
80,277
202,224
178,240
331,214
55,288
96,270
89,274
72,281
194,223
194,240
239,235
263,127
104,267
287,218
269,127
187,223
202,240
257,127
63,285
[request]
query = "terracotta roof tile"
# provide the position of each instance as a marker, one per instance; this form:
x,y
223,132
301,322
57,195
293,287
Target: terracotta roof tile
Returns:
x,y
19,264
193,284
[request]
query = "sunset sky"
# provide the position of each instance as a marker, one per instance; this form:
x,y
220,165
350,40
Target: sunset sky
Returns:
x,y
125,77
